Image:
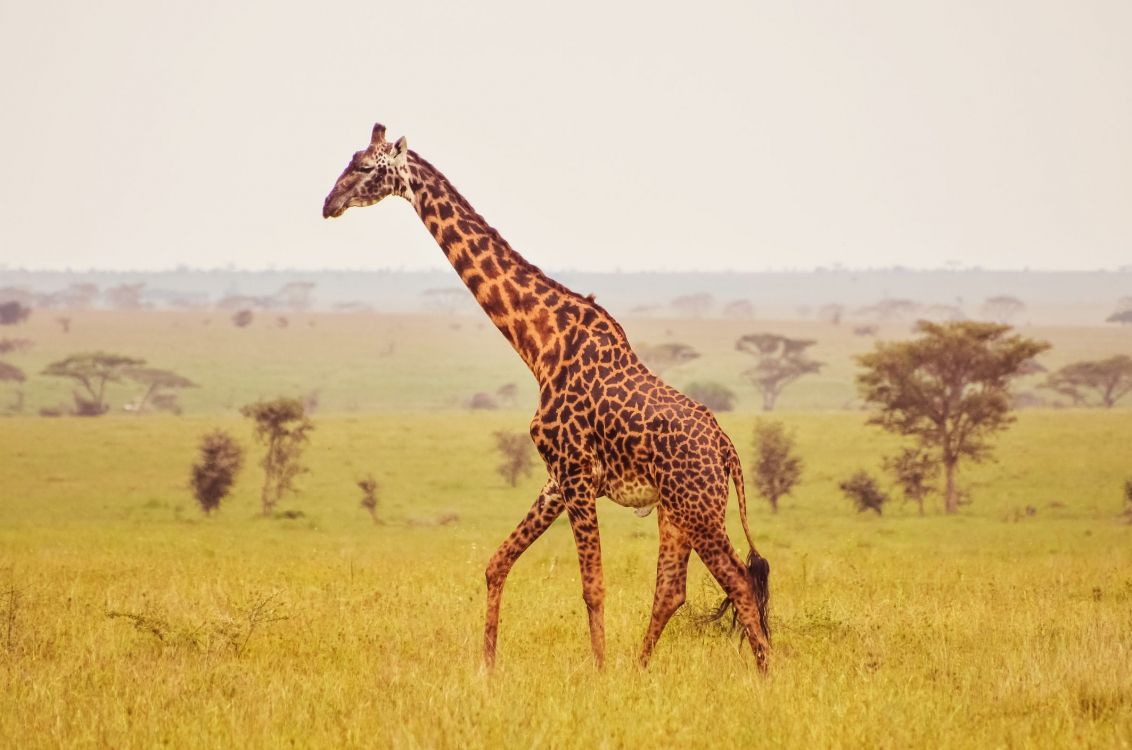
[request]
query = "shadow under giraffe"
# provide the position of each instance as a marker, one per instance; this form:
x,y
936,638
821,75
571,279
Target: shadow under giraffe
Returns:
x,y
605,426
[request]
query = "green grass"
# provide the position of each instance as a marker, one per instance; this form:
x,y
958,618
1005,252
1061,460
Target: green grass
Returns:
x,y
971,631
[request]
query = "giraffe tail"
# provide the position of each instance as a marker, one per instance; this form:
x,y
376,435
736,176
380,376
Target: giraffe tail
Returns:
x,y
758,569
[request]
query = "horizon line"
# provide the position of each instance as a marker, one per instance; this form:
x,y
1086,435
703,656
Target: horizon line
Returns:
x,y
185,268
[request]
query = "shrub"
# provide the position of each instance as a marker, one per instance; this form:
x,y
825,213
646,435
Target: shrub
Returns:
x,y
516,450
214,473
864,492
243,318
777,467
913,469
368,486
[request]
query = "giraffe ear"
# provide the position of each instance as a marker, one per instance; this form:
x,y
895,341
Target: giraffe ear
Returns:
x,y
378,136
401,146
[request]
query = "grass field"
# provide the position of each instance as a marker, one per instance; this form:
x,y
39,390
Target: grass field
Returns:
x,y
359,363
129,620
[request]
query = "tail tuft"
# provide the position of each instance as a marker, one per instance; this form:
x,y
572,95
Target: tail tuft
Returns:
x,y
758,571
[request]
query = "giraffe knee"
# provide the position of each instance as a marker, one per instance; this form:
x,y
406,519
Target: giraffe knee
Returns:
x,y
496,572
593,596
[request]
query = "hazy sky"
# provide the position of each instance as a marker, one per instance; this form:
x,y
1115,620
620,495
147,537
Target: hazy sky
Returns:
x,y
593,135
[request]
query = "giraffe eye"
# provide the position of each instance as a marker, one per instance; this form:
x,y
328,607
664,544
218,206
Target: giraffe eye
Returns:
x,y
364,169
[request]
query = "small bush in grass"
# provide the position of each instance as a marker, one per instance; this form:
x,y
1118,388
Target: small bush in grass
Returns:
x,y
213,475
913,469
368,486
864,492
777,467
517,459
1128,500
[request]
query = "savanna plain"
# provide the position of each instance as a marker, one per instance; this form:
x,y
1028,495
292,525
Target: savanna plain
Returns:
x,y
130,619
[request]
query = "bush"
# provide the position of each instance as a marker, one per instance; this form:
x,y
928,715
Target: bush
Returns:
x,y
213,475
243,318
368,486
913,469
714,396
864,492
777,467
517,459
282,426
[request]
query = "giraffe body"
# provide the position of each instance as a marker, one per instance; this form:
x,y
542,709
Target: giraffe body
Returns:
x,y
605,426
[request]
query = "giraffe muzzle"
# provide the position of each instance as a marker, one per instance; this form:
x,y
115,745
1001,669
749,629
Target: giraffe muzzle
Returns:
x,y
332,208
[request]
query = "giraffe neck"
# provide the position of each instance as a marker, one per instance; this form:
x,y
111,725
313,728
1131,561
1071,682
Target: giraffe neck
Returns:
x,y
530,309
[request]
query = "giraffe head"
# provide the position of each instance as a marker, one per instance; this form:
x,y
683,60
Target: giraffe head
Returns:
x,y
381,170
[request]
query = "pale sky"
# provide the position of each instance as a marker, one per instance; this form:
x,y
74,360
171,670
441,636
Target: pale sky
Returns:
x,y
593,135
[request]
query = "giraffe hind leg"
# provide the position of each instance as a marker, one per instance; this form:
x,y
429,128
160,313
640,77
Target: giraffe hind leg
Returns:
x,y
546,508
720,558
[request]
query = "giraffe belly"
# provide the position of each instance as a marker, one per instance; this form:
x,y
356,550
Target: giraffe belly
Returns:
x,y
631,492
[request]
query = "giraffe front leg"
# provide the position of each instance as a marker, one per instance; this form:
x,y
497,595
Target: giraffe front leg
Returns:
x,y
581,507
671,579
547,507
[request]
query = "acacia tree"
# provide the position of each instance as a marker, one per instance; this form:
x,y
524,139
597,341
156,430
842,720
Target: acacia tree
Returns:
x,y
11,373
777,467
781,361
156,380
282,426
1110,379
949,389
92,371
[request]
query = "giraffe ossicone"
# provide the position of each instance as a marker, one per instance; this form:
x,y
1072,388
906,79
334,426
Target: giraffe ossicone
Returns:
x,y
605,425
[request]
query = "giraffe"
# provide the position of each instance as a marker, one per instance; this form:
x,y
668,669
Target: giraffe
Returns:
x,y
605,425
